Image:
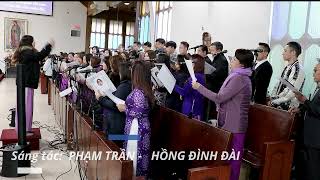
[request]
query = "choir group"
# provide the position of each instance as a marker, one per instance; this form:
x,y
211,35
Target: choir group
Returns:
x,y
221,97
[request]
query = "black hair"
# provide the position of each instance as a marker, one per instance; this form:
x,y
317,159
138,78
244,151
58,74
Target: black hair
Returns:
x,y
163,58
97,49
218,45
265,46
171,44
147,44
185,44
295,47
161,40
138,43
181,62
204,48
245,57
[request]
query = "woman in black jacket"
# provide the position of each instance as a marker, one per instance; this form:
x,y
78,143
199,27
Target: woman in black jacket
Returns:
x,y
26,54
114,120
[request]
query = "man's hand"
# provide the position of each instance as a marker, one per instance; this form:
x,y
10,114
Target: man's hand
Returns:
x,y
293,110
51,42
301,98
195,85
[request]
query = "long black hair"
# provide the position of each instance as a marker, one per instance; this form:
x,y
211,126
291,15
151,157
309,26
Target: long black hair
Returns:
x,y
26,41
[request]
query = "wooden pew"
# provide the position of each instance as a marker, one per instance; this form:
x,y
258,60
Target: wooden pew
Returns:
x,y
43,83
91,141
268,146
174,131
170,130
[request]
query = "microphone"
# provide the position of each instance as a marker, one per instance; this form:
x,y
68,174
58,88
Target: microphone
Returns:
x,y
89,70
195,47
74,67
256,50
223,52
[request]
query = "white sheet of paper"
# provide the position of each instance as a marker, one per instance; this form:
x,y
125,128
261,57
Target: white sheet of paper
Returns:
x,y
106,82
155,80
65,92
166,78
190,69
208,69
114,98
289,85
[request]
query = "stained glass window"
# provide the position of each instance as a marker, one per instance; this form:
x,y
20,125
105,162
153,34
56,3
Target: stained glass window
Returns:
x,y
295,21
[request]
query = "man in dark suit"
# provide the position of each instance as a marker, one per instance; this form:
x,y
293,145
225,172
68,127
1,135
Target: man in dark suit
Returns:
x,y
261,75
215,80
311,131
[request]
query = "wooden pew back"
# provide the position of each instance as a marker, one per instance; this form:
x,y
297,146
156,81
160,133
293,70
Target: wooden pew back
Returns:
x,y
91,141
267,124
174,131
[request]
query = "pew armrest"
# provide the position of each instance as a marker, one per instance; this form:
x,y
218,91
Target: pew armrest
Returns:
x,y
219,172
278,160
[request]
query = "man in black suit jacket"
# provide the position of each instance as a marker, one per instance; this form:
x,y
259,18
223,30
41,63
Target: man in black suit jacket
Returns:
x,y
261,75
215,80
311,130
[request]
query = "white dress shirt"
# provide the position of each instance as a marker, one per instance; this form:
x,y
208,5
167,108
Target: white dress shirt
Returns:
x,y
258,63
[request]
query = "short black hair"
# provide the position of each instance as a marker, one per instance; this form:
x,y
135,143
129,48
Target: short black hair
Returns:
x,y
137,42
171,44
245,57
265,46
147,44
218,45
72,53
161,40
204,48
163,58
185,44
295,47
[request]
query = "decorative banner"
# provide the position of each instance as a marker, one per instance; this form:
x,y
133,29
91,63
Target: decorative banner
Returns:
x,y
75,30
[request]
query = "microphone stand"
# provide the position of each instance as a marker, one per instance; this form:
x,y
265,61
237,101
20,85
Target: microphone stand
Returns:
x,y
11,163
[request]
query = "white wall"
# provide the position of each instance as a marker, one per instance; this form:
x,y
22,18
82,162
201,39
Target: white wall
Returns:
x,y
189,21
235,24
240,24
58,27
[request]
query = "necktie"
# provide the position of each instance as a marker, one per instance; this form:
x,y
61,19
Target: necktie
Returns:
x,y
315,92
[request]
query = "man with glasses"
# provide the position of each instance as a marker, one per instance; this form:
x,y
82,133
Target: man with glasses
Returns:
x,y
262,72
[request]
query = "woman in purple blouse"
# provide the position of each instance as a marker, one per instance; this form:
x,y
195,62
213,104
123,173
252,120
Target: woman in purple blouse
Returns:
x,y
233,101
137,106
192,100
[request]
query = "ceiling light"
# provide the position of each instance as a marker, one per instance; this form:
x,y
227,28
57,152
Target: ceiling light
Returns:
x,y
126,3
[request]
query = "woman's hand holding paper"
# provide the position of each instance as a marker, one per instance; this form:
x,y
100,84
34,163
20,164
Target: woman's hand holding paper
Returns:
x,y
195,85
121,107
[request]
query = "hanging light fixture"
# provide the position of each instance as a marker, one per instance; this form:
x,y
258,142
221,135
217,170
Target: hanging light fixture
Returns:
x,y
126,3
